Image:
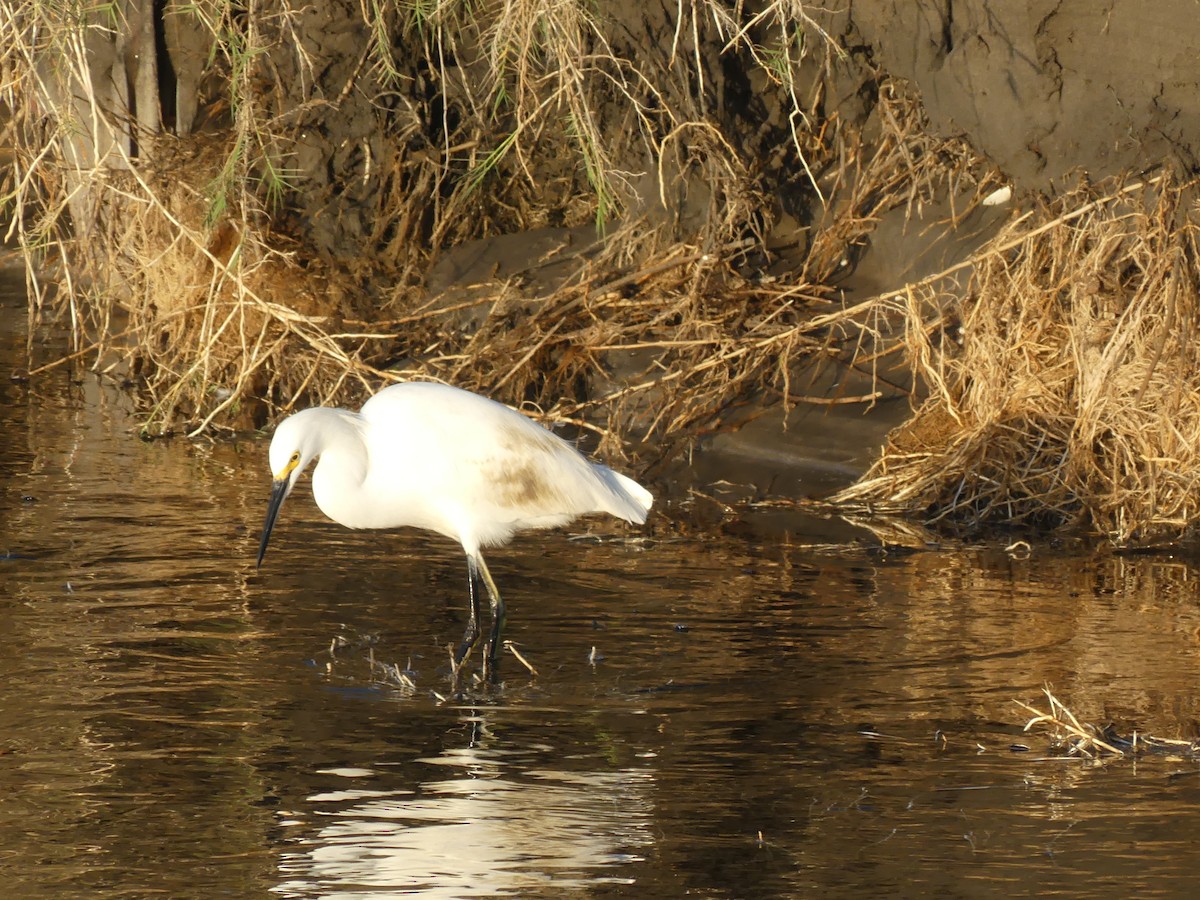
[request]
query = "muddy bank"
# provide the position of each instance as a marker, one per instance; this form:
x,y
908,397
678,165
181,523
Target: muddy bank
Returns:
x,y
671,230
1049,93
1045,89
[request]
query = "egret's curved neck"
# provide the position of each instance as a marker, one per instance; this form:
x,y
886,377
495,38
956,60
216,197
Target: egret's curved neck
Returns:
x,y
337,480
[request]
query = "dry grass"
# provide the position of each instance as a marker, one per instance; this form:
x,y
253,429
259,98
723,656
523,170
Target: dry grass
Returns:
x,y
208,317
1072,738
695,338
186,261
1074,399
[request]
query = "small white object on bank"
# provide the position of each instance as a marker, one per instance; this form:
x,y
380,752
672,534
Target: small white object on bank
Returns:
x,y
998,197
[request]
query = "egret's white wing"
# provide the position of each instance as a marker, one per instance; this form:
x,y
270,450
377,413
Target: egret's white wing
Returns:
x,y
470,467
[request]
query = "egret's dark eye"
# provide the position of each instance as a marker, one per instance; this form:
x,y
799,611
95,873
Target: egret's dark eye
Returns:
x,y
295,456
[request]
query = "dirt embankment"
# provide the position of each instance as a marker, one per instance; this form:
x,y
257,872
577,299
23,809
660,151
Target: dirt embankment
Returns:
x,y
690,223
1048,88
1068,399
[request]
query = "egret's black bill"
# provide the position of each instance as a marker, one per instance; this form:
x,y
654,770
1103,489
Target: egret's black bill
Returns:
x,y
279,490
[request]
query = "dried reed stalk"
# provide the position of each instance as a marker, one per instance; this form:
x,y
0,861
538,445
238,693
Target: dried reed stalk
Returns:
x,y
1075,738
1074,399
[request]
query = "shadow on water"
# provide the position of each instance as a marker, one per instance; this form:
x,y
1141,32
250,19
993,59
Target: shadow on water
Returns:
x,y
741,711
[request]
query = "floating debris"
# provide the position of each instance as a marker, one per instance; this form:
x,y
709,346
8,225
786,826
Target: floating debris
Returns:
x,y
1072,738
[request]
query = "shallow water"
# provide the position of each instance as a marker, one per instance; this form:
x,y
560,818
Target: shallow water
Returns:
x,y
769,706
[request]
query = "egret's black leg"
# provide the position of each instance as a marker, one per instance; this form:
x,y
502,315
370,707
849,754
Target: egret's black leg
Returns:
x,y
498,615
471,636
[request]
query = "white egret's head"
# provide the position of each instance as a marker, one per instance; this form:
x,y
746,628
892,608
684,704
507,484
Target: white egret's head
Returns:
x,y
295,444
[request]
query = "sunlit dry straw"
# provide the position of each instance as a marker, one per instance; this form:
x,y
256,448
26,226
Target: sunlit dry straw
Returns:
x,y
177,269
1078,739
1072,400
512,648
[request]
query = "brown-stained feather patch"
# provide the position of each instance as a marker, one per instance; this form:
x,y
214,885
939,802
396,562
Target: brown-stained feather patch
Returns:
x,y
521,480
525,487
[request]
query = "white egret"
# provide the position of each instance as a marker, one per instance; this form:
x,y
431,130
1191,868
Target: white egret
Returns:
x,y
436,457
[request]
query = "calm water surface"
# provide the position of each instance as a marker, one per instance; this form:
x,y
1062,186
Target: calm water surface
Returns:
x,y
764,707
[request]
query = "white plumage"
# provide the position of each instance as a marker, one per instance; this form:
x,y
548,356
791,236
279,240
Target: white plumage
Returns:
x,y
435,457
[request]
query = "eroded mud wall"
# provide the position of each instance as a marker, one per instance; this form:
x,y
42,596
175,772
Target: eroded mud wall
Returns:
x,y
1047,87
1041,88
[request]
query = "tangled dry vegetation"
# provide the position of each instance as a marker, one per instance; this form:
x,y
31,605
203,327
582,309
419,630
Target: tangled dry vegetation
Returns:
x,y
269,245
1074,398
258,231
1071,738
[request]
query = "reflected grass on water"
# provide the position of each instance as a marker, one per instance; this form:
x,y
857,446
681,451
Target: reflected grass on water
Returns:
x,y
746,709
